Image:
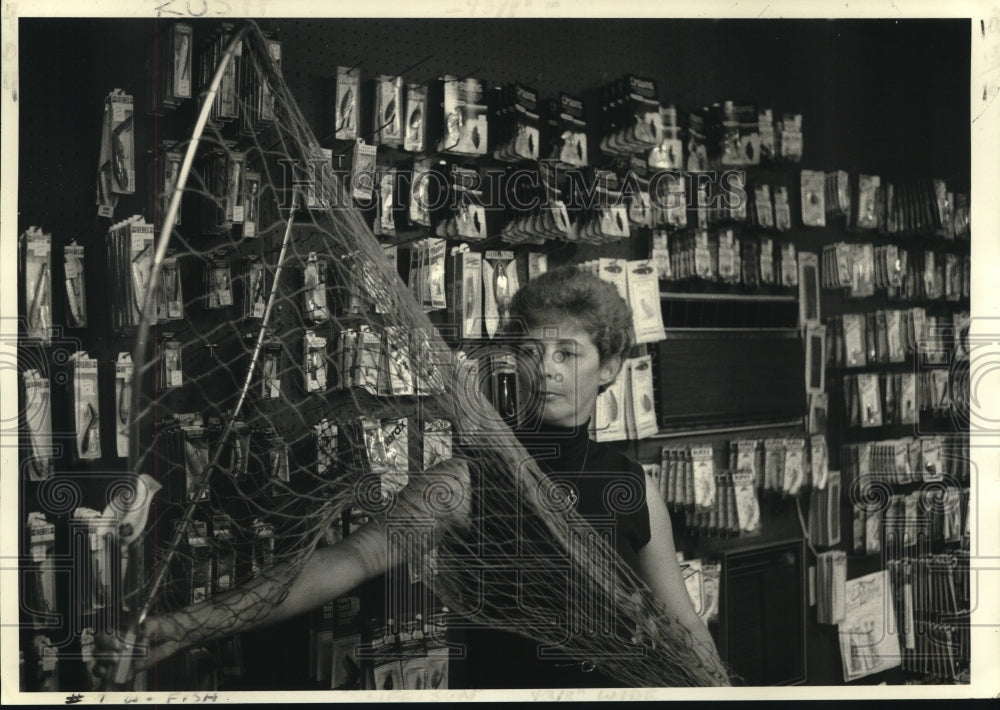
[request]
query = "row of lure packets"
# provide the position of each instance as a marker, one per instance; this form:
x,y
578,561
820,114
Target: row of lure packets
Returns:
x,y
523,128
381,449
886,399
859,270
346,654
413,657
938,513
892,335
864,202
104,551
107,535
473,120
35,266
924,459
477,288
622,203
243,94
130,251
726,502
513,123
83,389
206,567
931,599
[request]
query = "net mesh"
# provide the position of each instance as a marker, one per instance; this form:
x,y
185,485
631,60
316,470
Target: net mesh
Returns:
x,y
264,441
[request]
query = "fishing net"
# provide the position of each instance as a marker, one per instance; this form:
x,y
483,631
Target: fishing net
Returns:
x,y
284,373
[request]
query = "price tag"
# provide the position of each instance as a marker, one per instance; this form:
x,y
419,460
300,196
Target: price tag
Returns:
x,y
175,378
791,144
87,387
49,658
39,246
238,214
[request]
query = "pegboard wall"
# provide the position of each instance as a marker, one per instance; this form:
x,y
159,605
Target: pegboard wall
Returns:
x,y
872,99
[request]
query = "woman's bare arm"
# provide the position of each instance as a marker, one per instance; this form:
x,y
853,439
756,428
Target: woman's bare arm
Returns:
x,y
330,572
659,569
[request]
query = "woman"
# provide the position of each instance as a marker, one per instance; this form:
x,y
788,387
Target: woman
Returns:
x,y
579,330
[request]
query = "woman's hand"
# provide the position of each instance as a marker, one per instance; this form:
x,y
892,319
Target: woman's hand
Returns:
x,y
159,638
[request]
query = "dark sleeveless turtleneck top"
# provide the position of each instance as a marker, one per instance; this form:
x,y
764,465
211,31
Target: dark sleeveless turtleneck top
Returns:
x,y
608,491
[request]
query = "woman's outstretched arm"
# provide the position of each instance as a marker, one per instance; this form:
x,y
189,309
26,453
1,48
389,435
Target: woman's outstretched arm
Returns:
x,y
330,572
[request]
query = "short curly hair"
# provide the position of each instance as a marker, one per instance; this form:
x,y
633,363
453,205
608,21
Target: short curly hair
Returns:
x,y
568,291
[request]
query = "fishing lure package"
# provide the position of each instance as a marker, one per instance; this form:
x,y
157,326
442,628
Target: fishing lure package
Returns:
x,y
463,215
396,374
518,121
640,390
38,419
101,541
466,306
170,374
385,218
611,221
314,289
363,173
415,127
609,412
314,362
643,289
461,124
367,360
116,164
177,56
40,598
632,119
567,131
346,109
76,292
123,402
129,259
319,174
218,286
388,114
36,276
258,99
255,291
86,407
121,137
499,285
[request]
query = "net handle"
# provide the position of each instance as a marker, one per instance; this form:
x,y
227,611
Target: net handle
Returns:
x,y
119,677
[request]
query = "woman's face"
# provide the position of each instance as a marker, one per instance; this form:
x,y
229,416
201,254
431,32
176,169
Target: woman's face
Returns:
x,y
571,372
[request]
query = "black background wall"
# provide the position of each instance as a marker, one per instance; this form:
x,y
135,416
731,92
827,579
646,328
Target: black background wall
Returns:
x,y
873,95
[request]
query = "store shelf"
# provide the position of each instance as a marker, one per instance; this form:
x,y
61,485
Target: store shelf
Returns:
x,y
739,297
711,431
791,332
